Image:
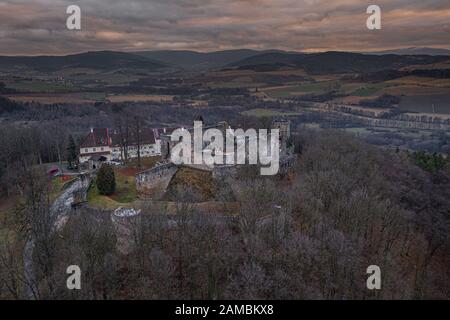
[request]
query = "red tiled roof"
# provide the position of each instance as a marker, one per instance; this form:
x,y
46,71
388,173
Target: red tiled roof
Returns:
x,y
147,136
98,137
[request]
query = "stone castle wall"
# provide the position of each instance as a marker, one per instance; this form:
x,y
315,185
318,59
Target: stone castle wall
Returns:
x,y
154,182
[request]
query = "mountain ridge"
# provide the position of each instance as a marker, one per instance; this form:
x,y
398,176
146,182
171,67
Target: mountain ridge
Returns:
x,y
415,51
163,60
197,61
98,60
336,61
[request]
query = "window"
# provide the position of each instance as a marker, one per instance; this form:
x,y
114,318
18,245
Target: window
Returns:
x,y
86,150
101,148
93,149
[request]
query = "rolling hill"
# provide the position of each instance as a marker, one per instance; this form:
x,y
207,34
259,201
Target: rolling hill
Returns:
x,y
152,61
99,60
335,62
417,51
198,61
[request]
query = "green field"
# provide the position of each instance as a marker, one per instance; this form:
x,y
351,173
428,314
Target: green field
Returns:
x,y
38,86
313,87
366,90
354,88
125,192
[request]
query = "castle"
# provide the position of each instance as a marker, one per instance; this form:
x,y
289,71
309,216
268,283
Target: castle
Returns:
x,y
155,181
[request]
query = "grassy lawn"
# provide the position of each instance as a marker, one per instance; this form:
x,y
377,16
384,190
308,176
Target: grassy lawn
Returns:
x,y
146,163
369,89
98,201
125,192
39,86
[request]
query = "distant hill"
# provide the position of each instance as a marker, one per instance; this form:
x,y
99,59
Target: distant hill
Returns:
x,y
315,63
99,60
196,61
335,62
417,51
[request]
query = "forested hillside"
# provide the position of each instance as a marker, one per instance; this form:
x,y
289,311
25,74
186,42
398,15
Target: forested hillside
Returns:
x,y
311,234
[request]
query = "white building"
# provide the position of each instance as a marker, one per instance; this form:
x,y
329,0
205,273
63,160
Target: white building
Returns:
x,y
96,144
102,145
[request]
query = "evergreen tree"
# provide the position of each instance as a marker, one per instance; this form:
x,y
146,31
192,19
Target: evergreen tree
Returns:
x,y
71,151
106,180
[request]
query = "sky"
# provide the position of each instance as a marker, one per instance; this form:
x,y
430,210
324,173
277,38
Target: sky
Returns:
x,y
33,27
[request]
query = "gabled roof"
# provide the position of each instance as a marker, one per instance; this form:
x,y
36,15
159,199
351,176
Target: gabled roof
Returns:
x,y
147,136
98,137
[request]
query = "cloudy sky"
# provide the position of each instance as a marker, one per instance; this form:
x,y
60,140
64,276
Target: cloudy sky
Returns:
x,y
29,27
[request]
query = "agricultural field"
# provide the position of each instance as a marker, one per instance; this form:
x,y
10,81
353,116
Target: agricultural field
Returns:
x,y
52,98
261,113
139,98
367,90
301,89
358,89
39,86
421,82
90,79
412,90
236,83
252,78
431,104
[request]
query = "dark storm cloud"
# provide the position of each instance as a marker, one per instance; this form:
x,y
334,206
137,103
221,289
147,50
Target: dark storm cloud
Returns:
x,y
38,27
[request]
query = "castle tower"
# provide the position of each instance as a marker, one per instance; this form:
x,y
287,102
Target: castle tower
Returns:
x,y
166,146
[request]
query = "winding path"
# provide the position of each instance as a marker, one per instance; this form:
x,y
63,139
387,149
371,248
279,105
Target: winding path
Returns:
x,y
59,211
